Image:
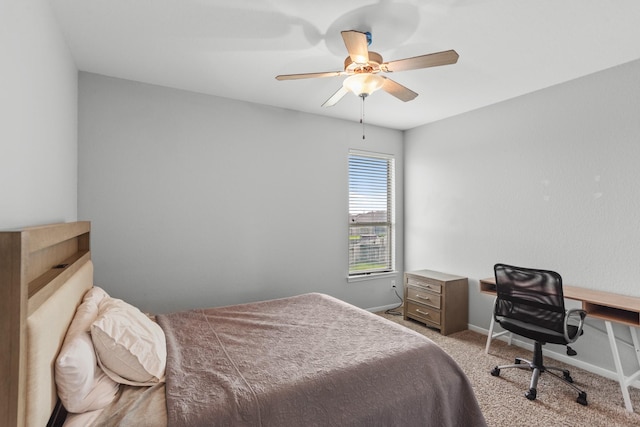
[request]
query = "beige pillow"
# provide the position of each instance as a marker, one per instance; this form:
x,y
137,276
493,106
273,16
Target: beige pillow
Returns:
x,y
131,348
82,386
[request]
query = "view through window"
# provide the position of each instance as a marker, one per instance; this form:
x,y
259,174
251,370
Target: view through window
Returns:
x,y
370,213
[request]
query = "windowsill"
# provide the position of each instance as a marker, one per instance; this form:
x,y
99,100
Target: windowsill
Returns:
x,y
371,276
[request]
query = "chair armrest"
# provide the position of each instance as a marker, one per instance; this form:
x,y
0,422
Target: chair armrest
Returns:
x,y
573,313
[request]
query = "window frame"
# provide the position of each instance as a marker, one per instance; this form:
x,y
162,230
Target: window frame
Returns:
x,y
389,224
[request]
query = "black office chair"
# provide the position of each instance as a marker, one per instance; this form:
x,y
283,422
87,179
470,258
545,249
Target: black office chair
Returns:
x,y
530,303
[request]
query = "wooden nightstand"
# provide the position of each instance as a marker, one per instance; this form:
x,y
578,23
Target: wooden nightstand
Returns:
x,y
438,300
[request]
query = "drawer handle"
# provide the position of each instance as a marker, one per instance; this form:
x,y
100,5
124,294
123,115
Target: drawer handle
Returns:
x,y
422,297
422,312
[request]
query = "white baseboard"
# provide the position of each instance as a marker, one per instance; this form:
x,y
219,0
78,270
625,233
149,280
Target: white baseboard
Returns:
x,y
558,356
383,308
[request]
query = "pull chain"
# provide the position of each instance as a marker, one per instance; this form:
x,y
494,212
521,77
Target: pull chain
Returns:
x,y
362,114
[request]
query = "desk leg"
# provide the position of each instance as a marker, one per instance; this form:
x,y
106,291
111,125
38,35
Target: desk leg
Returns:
x,y
491,335
616,359
636,343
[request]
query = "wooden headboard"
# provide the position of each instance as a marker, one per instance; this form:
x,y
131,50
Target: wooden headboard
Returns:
x,y
35,262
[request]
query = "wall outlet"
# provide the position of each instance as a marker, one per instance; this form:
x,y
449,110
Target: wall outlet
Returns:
x,y
393,283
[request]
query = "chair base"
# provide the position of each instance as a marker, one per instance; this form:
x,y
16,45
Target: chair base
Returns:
x,y
537,367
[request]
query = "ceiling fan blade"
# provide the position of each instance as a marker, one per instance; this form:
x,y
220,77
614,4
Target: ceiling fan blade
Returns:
x,y
357,46
335,97
424,61
396,89
309,75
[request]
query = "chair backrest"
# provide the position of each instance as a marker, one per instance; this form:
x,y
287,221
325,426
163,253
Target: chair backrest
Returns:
x,y
530,295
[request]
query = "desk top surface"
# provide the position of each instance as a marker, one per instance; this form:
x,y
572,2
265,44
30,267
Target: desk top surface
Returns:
x,y
608,299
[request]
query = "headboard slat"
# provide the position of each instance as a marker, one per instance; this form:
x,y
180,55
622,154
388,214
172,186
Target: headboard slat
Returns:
x,y
50,235
44,286
13,314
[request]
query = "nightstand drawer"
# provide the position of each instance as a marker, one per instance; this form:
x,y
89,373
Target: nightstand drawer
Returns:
x,y
433,286
423,313
424,297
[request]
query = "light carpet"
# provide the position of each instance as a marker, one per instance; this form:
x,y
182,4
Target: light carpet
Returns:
x,y
502,398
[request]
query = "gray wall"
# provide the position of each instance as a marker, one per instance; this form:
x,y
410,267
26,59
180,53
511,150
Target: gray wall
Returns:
x,y
547,180
200,201
38,105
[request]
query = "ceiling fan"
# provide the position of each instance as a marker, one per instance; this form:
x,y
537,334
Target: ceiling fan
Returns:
x,y
364,69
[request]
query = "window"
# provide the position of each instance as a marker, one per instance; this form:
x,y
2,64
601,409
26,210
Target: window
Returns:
x,y
371,239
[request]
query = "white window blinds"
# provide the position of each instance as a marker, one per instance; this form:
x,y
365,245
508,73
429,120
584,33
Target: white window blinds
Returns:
x,y
371,179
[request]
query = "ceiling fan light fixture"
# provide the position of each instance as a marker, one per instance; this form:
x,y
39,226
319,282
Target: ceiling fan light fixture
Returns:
x,y
363,84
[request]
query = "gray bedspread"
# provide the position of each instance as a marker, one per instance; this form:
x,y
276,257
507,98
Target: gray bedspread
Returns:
x,y
310,360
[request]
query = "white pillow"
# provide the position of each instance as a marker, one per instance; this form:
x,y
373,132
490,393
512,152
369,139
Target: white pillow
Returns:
x,y
82,386
131,348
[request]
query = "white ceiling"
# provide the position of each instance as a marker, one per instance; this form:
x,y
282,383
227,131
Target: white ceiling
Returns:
x,y
235,48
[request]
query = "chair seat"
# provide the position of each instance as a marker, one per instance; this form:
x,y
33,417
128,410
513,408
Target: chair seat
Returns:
x,y
537,333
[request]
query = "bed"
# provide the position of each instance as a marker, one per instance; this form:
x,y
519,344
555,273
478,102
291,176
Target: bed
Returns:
x,y
304,360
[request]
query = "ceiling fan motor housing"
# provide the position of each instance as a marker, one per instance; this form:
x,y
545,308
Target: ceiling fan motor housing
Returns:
x,y
372,66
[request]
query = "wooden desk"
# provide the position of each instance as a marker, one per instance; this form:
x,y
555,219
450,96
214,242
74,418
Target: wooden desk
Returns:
x,y
606,306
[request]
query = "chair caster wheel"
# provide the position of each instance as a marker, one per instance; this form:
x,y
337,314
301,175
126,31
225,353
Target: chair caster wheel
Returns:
x,y
567,377
582,398
495,372
531,394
